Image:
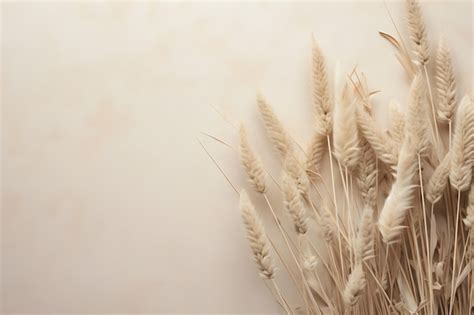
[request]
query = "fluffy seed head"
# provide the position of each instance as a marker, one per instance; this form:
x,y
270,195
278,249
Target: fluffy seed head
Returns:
x,y
397,122
293,168
462,150
275,130
445,84
346,138
294,204
416,27
257,237
364,247
469,220
399,200
316,150
367,174
417,125
320,90
355,286
385,149
438,181
251,163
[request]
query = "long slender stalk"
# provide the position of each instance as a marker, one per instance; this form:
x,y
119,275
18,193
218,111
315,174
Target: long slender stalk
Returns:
x,y
456,225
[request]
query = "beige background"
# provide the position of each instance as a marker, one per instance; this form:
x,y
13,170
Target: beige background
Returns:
x,y
109,204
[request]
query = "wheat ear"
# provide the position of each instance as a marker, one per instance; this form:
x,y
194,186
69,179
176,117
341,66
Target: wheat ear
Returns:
x,y
355,286
346,138
462,151
293,168
417,29
367,174
469,220
364,246
274,127
256,235
328,228
397,122
445,83
417,124
399,200
320,90
294,204
439,180
316,150
385,149
251,163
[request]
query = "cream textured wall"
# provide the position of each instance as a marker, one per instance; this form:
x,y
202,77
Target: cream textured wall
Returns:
x,y
109,203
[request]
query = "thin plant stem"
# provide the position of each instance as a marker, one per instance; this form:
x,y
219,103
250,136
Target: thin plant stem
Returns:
x,y
430,275
455,251
277,290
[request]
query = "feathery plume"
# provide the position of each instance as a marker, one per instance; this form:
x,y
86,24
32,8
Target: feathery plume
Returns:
x,y
257,237
274,127
355,286
416,27
385,149
462,150
251,163
320,90
399,200
316,150
327,225
367,174
469,220
438,181
397,122
346,138
294,204
445,84
417,127
364,246
293,168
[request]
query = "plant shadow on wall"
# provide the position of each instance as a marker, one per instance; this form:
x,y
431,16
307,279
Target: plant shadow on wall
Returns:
x,y
398,240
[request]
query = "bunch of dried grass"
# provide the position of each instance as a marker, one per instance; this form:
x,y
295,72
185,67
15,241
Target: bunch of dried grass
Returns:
x,y
408,250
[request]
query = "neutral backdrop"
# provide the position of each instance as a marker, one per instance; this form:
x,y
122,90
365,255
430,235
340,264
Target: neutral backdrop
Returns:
x,y
109,203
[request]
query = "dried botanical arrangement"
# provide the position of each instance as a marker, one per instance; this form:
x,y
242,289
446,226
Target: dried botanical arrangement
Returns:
x,y
399,238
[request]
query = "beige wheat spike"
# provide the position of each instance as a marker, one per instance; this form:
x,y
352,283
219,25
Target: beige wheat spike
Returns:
x,y
327,224
346,138
469,220
417,124
251,163
364,246
462,150
399,200
294,204
367,174
314,156
439,180
385,149
293,168
445,84
355,286
397,122
320,91
417,29
274,127
256,235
